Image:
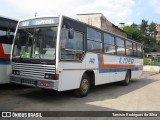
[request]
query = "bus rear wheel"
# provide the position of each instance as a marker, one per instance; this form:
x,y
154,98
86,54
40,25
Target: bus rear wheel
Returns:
x,y
84,88
127,79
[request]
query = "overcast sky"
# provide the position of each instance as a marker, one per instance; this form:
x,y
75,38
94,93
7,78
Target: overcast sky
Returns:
x,y
127,11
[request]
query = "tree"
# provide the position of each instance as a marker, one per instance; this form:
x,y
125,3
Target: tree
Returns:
x,y
144,25
144,34
134,33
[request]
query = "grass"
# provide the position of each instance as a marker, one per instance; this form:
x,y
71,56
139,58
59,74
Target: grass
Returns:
x,y
147,62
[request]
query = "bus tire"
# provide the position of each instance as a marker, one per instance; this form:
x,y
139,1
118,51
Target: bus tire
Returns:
x,y
127,79
84,87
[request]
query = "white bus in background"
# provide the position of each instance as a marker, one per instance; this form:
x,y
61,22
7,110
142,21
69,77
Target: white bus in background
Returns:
x,y
7,29
61,53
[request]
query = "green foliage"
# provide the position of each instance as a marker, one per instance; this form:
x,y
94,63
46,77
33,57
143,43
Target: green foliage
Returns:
x,y
145,34
147,62
144,25
134,33
25,54
152,27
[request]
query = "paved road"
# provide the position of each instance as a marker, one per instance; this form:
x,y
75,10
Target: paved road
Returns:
x,y
141,95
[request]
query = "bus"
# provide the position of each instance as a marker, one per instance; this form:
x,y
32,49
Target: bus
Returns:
x,y
61,53
7,29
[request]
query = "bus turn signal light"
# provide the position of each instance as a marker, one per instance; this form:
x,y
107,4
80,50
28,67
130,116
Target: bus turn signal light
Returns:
x,y
52,76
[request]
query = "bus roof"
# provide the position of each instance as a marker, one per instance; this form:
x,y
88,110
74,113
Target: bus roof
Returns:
x,y
1,16
103,30
86,25
6,22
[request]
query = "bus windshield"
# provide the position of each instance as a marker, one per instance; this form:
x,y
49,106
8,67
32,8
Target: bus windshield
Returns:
x,y
35,43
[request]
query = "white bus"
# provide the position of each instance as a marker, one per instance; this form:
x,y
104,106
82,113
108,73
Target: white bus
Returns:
x,y
7,29
61,53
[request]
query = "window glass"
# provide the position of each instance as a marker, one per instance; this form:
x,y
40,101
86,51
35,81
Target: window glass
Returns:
x,y
119,42
139,54
139,51
128,44
93,46
36,43
71,49
110,49
139,48
109,39
6,37
93,34
135,53
129,52
134,46
98,36
76,43
120,51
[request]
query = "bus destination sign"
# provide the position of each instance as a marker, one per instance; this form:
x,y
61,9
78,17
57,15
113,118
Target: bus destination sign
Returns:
x,y
39,21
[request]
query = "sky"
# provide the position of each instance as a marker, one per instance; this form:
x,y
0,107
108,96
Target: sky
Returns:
x,y
116,11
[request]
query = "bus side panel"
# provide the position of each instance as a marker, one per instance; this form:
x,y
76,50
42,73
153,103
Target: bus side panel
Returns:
x,y
5,67
111,65
92,64
108,59
136,74
70,76
5,72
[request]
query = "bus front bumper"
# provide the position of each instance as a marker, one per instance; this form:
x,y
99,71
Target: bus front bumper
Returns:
x,y
36,82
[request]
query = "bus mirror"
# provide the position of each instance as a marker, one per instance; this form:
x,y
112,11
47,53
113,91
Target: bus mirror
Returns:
x,y
71,33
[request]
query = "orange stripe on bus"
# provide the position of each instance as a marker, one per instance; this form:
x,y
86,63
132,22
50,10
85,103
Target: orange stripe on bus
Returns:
x,y
104,66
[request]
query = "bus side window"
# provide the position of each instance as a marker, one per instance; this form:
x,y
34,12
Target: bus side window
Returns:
x,y
139,51
69,44
129,48
109,44
94,40
72,49
134,49
120,46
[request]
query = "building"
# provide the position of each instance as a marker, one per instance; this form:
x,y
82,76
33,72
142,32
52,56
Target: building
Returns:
x,y
99,20
121,25
158,32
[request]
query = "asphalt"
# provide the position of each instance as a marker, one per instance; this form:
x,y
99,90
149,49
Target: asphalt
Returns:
x,y
142,94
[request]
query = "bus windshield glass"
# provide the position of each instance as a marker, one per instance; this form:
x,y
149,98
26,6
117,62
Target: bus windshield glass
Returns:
x,y
35,43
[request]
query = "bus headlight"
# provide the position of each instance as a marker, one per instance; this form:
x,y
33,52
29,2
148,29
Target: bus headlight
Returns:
x,y
16,72
52,76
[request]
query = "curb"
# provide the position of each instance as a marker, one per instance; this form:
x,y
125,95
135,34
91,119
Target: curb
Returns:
x,y
149,68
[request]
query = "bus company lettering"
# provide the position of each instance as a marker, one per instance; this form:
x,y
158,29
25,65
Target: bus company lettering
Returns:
x,y
125,60
91,60
46,21
25,23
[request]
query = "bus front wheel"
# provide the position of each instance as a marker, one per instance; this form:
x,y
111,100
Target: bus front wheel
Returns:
x,y
84,87
127,79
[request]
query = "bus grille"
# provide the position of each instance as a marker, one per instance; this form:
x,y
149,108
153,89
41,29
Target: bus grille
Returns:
x,y
33,70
